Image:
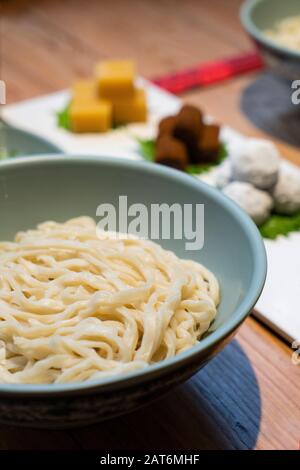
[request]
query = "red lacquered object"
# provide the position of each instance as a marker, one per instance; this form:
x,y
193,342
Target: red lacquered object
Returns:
x,y
209,73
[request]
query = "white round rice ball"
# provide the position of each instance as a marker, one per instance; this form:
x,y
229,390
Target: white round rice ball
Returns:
x,y
255,161
286,192
223,174
256,203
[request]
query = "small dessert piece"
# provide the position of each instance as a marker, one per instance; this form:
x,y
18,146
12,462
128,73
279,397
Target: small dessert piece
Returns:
x,y
207,148
256,203
171,152
167,125
132,109
94,116
189,125
115,79
209,141
200,140
255,161
84,91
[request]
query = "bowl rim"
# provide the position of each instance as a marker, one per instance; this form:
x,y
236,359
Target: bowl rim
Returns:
x,y
223,331
245,15
52,147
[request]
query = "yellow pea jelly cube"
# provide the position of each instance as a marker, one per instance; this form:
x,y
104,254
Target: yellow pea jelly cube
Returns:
x,y
94,116
115,78
84,90
131,109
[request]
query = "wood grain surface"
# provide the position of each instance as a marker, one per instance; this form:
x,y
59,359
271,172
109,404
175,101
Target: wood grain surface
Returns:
x,y
248,397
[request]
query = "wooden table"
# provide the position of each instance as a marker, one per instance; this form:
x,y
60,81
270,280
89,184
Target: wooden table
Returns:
x,y
248,397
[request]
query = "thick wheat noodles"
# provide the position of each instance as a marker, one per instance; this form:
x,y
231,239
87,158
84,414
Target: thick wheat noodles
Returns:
x,y
77,305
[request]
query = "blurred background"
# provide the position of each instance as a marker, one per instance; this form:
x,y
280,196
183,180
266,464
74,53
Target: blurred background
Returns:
x,y
46,44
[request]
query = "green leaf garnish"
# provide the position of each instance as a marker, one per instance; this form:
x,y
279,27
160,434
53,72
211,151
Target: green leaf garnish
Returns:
x,y
280,225
198,169
63,118
147,151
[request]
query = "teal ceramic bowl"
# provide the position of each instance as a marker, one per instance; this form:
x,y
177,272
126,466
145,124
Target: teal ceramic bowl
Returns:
x,y
36,189
259,15
19,142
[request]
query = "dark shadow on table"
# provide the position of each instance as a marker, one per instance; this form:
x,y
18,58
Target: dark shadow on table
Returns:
x,y
267,103
219,408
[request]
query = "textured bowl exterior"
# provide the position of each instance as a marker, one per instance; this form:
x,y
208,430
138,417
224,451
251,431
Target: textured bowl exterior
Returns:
x,y
73,410
61,187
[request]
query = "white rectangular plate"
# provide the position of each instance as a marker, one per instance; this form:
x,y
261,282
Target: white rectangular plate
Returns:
x,y
279,304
